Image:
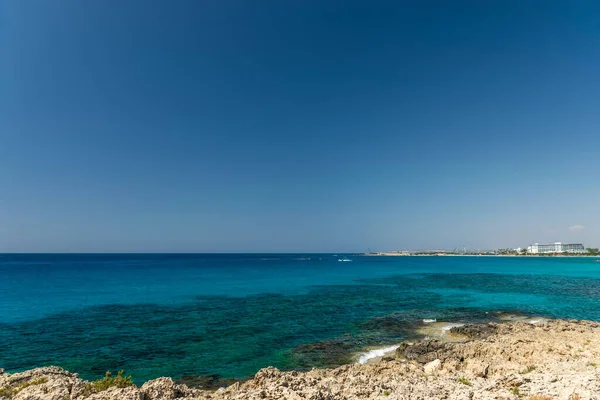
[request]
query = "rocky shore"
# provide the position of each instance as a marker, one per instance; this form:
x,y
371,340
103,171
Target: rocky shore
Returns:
x,y
553,359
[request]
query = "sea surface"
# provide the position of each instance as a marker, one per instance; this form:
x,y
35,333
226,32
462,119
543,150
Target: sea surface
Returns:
x,y
227,316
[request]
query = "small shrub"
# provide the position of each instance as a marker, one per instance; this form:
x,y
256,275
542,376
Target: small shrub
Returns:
x,y
38,381
529,369
386,392
592,364
515,390
9,392
465,381
119,381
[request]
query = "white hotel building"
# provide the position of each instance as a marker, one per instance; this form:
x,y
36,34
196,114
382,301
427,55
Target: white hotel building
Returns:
x,y
556,247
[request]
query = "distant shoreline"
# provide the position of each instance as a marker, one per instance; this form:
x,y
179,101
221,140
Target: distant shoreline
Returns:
x,y
479,255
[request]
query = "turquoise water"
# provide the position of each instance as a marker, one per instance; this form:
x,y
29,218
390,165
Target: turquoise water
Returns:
x,y
230,315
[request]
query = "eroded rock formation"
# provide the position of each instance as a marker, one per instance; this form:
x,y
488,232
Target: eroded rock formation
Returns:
x,y
497,361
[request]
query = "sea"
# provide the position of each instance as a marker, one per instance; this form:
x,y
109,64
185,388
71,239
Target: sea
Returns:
x,y
216,317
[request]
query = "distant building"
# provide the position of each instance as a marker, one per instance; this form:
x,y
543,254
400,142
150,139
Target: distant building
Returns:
x,y
556,247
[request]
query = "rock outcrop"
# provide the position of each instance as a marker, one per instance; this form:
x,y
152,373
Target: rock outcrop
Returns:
x,y
475,331
557,359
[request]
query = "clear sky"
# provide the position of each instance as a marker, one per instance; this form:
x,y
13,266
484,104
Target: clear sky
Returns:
x,y
285,126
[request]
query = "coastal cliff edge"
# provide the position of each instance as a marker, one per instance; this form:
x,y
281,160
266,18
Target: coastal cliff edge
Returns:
x,y
554,359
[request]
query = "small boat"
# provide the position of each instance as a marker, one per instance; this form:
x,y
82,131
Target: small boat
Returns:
x,y
344,259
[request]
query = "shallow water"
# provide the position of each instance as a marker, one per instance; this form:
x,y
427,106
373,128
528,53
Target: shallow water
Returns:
x,y
230,315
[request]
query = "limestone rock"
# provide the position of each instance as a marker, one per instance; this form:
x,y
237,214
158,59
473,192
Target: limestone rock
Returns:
x,y
424,351
114,393
475,331
48,383
159,389
433,366
166,389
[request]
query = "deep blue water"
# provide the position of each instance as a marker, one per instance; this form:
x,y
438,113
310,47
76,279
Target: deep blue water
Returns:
x,y
230,315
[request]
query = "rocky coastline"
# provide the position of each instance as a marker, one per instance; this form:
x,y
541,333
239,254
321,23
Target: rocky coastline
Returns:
x,y
550,359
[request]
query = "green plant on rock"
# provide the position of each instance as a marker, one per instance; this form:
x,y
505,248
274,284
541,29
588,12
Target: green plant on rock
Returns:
x,y
465,381
515,390
529,369
33,382
9,392
386,392
6,392
109,381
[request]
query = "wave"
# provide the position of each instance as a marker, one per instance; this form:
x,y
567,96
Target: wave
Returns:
x,y
447,327
365,357
537,321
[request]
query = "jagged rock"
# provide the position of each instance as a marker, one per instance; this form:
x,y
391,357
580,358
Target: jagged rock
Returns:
x,y
165,389
423,352
475,331
478,368
114,393
205,382
433,366
48,383
236,386
159,389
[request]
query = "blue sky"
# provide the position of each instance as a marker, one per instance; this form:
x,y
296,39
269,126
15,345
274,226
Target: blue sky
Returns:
x,y
298,126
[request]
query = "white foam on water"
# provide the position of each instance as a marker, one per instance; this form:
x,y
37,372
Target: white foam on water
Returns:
x,y
446,328
375,353
429,321
537,321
